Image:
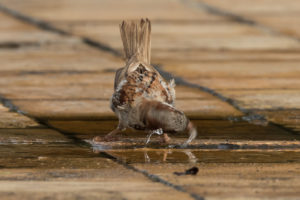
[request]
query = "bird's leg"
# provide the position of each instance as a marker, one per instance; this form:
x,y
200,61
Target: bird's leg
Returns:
x,y
112,136
109,137
165,139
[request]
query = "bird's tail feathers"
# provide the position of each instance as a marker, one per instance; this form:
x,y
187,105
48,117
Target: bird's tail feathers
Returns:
x,y
135,36
192,130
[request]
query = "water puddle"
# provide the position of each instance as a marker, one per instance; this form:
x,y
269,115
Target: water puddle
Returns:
x,y
207,129
219,141
206,156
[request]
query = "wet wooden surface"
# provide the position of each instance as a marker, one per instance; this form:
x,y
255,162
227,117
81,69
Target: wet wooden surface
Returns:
x,y
237,73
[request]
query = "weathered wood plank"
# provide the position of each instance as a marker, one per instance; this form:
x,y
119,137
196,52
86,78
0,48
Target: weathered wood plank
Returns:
x,y
90,10
281,16
235,181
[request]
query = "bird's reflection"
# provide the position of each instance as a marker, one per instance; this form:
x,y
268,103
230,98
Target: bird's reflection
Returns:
x,y
149,155
191,158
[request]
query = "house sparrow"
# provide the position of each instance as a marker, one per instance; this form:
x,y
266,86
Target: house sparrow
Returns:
x,y
142,99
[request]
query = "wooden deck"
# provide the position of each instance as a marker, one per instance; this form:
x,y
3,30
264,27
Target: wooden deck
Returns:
x,y
237,70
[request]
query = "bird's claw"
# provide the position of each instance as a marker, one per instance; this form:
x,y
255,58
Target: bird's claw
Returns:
x,y
105,139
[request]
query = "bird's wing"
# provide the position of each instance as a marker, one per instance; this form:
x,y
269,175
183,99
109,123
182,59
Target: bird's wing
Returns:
x,y
119,76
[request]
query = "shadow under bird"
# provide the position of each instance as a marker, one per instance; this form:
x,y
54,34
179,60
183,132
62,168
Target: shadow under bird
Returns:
x,y
142,98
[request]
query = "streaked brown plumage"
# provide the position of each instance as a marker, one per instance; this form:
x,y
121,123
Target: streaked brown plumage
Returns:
x,y
142,99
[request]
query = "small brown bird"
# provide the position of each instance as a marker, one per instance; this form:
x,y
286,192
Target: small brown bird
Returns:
x,y
142,99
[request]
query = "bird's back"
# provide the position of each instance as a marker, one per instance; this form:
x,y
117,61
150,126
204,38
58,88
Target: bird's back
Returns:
x,y
142,84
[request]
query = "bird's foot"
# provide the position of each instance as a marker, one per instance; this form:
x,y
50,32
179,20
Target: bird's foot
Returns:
x,y
110,137
107,138
165,139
